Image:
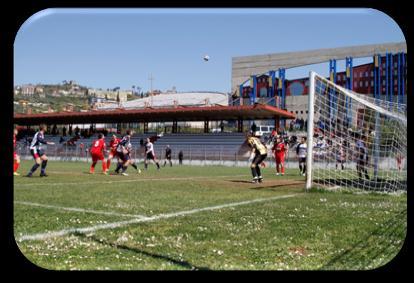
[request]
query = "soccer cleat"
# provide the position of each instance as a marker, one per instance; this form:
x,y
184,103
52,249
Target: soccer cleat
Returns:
x,y
260,179
43,175
124,174
277,174
105,173
255,179
283,174
28,175
303,174
16,174
139,171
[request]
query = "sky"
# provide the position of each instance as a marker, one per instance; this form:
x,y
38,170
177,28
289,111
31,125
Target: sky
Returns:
x,y
107,48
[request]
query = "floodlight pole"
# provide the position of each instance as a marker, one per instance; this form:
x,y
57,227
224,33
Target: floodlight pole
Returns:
x,y
311,110
151,78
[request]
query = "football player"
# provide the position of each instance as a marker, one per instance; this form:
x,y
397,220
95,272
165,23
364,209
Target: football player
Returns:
x,y
97,152
16,157
38,153
150,154
257,155
301,151
123,154
168,155
279,149
113,144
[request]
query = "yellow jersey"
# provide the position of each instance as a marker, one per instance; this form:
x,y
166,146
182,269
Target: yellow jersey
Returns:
x,y
257,145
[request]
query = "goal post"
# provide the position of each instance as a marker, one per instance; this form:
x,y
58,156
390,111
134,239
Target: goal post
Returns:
x,y
354,140
311,117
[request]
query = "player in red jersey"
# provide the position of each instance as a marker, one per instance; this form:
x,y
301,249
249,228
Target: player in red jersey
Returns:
x,y
97,150
399,159
113,144
16,157
279,149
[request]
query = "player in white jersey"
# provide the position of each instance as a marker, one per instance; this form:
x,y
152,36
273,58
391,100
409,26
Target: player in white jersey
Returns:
x,y
301,151
38,153
150,154
340,157
361,156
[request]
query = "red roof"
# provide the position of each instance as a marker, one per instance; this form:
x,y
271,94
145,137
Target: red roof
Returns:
x,y
213,113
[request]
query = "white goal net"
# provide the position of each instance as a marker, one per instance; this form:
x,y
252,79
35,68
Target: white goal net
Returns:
x,y
356,141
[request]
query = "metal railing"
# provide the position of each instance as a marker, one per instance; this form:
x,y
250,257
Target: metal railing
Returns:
x,y
193,154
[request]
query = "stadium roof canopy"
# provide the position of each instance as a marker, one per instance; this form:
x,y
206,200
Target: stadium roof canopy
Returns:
x,y
171,99
210,113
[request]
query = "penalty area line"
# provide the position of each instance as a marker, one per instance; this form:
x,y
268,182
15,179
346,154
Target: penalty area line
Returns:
x,y
123,181
92,229
75,209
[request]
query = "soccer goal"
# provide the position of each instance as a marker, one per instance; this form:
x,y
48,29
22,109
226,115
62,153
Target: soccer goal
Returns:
x,y
356,141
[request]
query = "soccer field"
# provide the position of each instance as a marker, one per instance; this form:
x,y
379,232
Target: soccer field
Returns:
x,y
209,217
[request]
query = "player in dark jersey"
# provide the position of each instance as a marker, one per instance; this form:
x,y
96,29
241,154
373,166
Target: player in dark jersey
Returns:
x,y
38,153
257,156
132,161
16,157
123,153
168,155
150,154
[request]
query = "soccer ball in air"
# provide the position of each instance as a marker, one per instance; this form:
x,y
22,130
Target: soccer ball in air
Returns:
x,y
206,58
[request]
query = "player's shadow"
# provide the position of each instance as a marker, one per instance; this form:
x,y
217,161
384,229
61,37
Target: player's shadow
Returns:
x,y
240,181
264,185
181,263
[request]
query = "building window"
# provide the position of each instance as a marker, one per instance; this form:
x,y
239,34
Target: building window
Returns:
x,y
395,72
366,74
383,82
296,112
372,73
366,83
355,84
306,111
372,83
395,82
301,112
360,83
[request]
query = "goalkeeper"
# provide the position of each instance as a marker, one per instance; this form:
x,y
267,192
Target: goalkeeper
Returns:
x,y
257,156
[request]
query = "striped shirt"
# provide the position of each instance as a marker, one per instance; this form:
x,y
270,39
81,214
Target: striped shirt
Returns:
x,y
123,144
38,139
301,150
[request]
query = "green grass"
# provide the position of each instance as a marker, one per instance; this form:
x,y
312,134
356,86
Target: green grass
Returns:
x,y
315,230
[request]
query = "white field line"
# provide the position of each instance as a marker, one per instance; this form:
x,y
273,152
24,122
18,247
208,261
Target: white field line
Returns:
x,y
64,232
78,209
123,181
